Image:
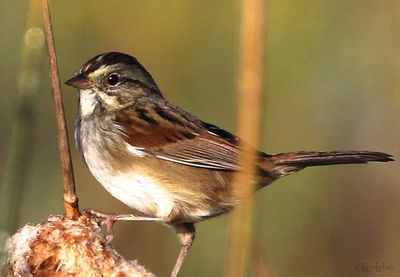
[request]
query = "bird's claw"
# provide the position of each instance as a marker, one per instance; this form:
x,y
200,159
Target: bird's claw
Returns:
x,y
104,219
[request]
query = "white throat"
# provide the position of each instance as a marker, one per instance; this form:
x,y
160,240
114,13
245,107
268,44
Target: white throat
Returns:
x,y
87,102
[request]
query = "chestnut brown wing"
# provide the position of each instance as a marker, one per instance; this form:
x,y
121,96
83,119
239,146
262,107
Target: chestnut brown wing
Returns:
x,y
205,150
169,133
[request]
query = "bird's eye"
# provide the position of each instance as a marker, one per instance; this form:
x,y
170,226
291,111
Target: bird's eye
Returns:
x,y
113,79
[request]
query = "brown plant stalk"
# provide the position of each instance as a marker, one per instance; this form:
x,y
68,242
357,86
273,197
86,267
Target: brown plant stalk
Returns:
x,y
249,95
70,198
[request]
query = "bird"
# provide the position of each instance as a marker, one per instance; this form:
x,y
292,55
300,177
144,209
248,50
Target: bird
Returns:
x,y
162,161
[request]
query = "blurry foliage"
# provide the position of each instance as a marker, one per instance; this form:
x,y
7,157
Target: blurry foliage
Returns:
x,y
331,83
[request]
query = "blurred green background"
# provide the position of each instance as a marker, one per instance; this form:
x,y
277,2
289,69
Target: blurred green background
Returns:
x,y
331,83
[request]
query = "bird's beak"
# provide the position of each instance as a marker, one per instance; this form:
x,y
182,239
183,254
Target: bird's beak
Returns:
x,y
79,81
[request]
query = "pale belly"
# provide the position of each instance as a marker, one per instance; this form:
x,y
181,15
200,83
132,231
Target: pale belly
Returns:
x,y
143,192
137,191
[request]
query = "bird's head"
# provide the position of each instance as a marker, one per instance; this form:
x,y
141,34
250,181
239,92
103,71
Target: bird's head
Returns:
x,y
111,80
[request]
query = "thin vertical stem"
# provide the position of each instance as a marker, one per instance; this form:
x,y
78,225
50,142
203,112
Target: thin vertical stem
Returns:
x,y
70,199
249,94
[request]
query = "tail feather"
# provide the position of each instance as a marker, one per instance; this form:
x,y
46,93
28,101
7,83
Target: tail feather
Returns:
x,y
287,163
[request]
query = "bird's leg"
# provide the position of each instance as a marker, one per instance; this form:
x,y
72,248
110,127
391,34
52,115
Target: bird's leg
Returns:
x,y
186,232
108,220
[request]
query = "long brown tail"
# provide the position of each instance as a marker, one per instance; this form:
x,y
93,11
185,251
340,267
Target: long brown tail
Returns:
x,y
280,165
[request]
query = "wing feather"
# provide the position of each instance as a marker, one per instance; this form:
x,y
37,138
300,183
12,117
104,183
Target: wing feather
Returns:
x,y
169,133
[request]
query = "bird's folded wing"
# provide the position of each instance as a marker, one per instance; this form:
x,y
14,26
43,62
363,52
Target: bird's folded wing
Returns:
x,y
169,133
206,150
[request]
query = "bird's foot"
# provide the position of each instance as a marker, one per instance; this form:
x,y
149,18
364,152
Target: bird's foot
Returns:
x,y
108,220
104,219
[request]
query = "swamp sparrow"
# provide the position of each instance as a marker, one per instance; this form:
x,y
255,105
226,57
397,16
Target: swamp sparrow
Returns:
x,y
162,161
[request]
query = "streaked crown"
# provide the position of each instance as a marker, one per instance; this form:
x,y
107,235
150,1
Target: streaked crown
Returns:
x,y
111,69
